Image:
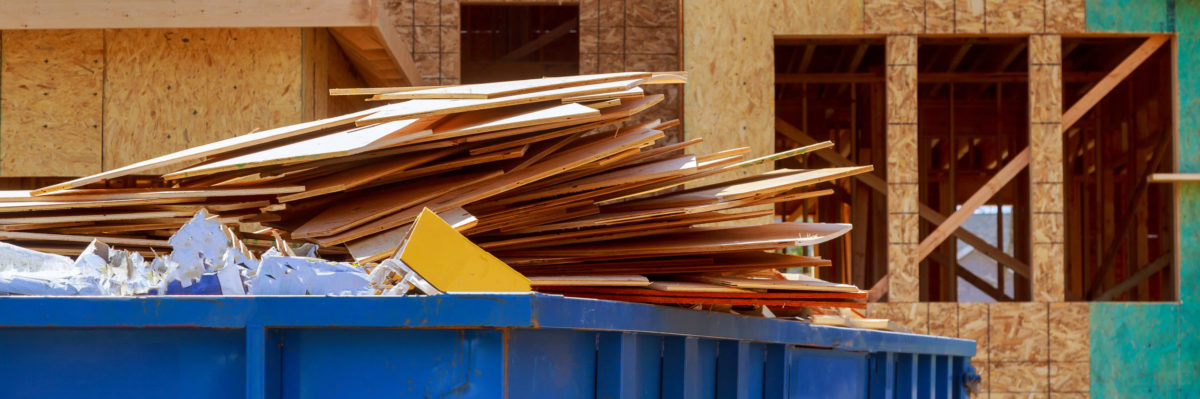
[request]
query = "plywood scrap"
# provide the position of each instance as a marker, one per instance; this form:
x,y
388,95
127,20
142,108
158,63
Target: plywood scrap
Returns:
x,y
590,281
451,263
502,89
808,284
205,151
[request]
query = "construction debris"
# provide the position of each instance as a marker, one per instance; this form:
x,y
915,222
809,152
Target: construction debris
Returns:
x,y
543,183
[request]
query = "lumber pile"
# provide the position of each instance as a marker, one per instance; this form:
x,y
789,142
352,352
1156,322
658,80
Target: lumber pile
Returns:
x,y
558,178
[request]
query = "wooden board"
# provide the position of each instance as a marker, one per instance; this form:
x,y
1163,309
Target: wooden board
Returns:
x,y
608,231
679,289
694,300
631,93
28,236
422,108
146,194
702,241
362,175
371,205
491,120
566,160
206,151
590,281
649,171
509,88
36,206
684,286
340,144
52,108
808,284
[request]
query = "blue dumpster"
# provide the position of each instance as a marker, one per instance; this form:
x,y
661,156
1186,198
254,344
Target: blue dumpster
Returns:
x,y
479,346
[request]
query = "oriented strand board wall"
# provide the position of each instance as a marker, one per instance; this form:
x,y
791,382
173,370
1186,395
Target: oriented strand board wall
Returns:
x,y
1030,349
169,89
729,55
50,102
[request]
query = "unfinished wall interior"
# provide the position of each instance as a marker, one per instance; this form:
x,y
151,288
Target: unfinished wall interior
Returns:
x,y
518,42
1120,226
831,89
972,97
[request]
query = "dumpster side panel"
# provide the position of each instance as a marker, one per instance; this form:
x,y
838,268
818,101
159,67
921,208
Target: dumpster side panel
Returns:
x,y
551,364
324,363
826,373
119,362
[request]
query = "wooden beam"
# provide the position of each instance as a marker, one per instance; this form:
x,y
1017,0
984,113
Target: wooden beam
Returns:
x,y
1175,177
968,208
1144,273
879,289
541,41
102,14
1139,191
808,56
396,46
977,242
1110,81
930,214
971,277
928,77
974,280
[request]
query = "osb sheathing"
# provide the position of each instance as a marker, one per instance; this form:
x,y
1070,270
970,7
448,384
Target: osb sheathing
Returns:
x,y
51,102
901,116
968,16
1045,137
170,89
1022,349
1065,16
894,16
1015,16
731,65
912,315
939,16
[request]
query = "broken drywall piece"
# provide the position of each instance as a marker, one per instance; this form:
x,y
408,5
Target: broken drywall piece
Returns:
x,y
230,272
201,240
286,275
15,258
27,272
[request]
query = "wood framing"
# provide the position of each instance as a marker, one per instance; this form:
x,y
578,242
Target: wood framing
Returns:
x,y
935,238
1111,80
927,213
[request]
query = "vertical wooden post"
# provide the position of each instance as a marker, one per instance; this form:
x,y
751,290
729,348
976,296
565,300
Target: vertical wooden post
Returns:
x,y
314,90
902,177
1046,168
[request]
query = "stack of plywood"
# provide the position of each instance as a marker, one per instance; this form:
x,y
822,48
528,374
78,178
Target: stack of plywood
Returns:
x,y
549,175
